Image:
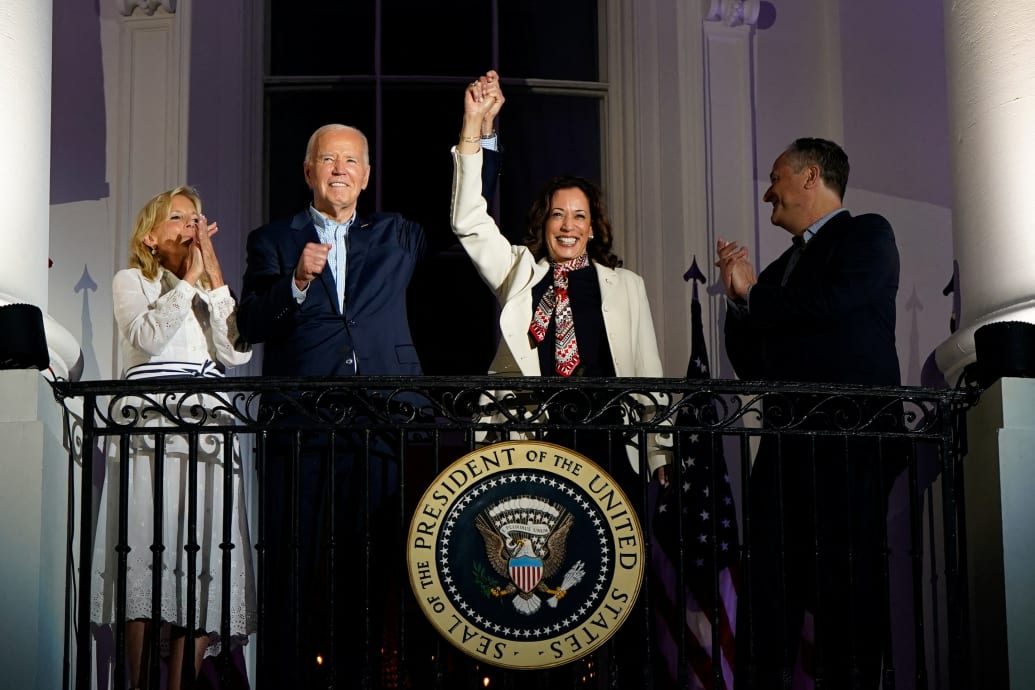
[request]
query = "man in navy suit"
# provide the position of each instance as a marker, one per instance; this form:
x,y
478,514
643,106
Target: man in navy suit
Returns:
x,y
327,292
350,319
824,312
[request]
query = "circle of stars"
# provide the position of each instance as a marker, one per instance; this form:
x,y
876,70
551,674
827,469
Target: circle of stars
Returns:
x,y
516,632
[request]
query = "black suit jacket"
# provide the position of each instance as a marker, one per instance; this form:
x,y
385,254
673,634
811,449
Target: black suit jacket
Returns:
x,y
834,319
819,499
314,338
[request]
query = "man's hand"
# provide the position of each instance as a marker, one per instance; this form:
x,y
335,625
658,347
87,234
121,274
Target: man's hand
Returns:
x,y
735,269
492,91
483,98
311,263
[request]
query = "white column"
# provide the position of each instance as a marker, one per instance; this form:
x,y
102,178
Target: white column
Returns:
x,y
32,461
729,86
654,144
1000,530
991,70
26,28
990,58
25,53
153,106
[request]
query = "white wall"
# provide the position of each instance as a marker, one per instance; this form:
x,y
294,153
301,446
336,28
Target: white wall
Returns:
x,y
821,68
169,118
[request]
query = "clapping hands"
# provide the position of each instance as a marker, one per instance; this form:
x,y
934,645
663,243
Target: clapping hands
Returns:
x,y
201,259
735,270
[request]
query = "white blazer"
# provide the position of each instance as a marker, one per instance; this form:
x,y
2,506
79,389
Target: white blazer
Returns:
x,y
511,271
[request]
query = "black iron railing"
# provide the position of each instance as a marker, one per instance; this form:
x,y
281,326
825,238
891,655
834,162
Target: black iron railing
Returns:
x,y
334,607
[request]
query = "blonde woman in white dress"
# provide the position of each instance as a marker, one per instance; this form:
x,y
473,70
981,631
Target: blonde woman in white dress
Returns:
x,y
176,318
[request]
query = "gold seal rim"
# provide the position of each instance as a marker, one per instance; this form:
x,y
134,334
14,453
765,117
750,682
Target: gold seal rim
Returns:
x,y
477,641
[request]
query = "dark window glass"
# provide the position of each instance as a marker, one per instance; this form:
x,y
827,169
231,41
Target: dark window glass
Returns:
x,y
441,37
292,116
558,135
416,176
321,37
441,44
547,39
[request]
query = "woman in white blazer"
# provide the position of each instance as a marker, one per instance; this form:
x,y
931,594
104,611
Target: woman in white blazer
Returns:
x,y
568,308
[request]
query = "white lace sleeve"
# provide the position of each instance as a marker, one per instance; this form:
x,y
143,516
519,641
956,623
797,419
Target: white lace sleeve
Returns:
x,y
227,340
147,324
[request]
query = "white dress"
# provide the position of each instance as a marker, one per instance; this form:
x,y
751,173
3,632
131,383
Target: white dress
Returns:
x,y
168,328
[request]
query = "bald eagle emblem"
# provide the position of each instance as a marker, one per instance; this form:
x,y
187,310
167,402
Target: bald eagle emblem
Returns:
x,y
525,542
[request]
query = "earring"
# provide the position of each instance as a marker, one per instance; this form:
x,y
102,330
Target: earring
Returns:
x,y
153,251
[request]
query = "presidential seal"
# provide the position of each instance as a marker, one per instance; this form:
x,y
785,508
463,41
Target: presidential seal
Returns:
x,y
525,555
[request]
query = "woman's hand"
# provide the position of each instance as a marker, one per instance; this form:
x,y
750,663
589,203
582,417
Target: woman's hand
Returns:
x,y
482,99
202,259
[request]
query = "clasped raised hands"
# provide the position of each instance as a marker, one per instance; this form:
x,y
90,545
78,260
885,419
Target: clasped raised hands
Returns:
x,y
483,100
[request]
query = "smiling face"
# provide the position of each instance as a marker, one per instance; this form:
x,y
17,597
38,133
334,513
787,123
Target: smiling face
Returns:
x,y
172,237
337,169
569,226
787,194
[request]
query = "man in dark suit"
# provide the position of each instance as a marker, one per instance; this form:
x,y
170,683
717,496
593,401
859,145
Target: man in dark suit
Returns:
x,y
326,292
824,312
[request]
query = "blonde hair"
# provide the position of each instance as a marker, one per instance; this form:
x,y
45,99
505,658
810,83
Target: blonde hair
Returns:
x,y
155,212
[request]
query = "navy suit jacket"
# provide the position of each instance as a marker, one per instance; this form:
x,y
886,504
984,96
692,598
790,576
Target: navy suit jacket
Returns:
x,y
314,338
834,319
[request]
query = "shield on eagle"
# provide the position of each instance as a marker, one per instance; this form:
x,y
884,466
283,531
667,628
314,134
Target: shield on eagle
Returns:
x,y
525,572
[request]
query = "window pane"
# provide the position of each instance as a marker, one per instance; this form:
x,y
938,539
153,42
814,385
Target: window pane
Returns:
x,y
320,37
443,44
547,39
420,124
443,37
559,135
416,181
292,116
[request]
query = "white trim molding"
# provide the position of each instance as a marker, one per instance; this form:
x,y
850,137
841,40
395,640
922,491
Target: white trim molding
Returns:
x,y
149,7
733,12
151,121
729,93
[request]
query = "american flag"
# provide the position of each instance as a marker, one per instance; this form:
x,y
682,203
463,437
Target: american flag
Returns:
x,y
700,510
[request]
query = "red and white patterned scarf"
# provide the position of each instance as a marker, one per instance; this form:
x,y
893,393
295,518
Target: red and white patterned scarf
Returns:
x,y
566,348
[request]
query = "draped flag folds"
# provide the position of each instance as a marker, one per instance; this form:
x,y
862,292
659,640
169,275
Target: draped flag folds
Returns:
x,y
696,547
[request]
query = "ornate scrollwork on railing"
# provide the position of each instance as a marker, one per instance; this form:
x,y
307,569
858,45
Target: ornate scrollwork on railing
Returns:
x,y
639,405
122,412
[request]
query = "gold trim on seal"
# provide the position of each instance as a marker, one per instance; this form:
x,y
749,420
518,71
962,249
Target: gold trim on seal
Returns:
x,y
540,598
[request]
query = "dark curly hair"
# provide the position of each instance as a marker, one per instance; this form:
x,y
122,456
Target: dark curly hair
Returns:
x,y
598,248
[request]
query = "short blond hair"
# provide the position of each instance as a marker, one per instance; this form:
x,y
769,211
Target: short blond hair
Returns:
x,y
151,215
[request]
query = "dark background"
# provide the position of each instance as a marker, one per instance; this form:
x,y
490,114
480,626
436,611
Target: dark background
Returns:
x,y
396,69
